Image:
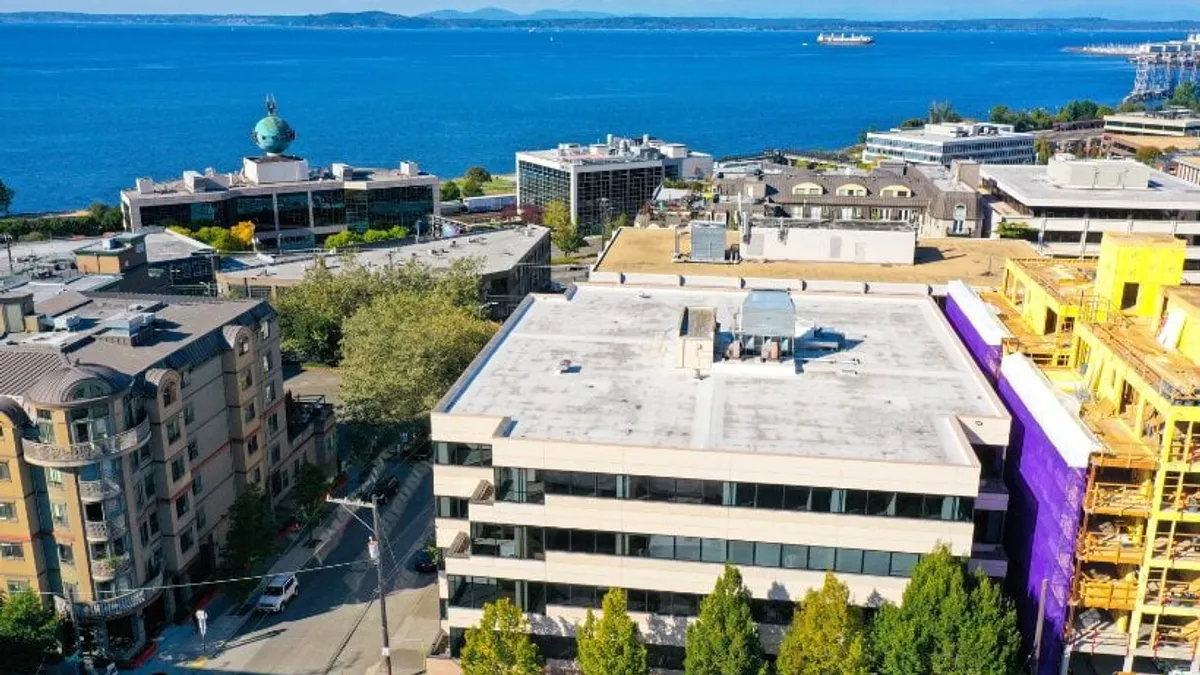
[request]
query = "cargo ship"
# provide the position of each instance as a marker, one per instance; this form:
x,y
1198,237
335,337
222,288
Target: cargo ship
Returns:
x,y
843,40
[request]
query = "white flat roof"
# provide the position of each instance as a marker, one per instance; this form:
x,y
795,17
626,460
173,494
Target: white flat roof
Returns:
x,y
911,377
498,250
1032,187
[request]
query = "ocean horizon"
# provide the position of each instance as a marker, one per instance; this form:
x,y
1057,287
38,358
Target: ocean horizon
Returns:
x,y
112,103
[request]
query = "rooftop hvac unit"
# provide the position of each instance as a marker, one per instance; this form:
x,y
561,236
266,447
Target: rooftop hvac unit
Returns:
x,y
66,322
708,241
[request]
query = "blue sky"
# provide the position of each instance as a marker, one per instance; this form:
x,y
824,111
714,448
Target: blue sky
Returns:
x,y
864,9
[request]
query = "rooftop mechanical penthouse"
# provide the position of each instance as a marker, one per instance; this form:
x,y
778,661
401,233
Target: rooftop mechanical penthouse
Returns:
x,y
642,437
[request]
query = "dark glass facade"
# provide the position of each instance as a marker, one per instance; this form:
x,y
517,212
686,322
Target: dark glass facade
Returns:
x,y
541,185
530,486
604,195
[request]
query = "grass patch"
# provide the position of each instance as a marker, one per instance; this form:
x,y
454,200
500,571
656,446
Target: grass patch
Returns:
x,y
499,185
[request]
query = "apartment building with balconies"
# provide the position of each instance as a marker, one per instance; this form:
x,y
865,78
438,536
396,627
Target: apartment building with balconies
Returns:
x,y
128,426
1099,360
643,436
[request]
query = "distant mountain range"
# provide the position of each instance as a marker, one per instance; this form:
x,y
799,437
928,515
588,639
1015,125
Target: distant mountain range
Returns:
x,y
553,19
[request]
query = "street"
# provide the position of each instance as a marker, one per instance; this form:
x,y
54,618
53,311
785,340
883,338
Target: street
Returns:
x,y
332,626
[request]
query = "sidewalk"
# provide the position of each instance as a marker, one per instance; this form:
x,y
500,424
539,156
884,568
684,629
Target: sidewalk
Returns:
x,y
180,647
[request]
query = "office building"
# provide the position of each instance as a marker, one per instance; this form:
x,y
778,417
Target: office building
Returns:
x,y
1172,122
1098,361
291,204
1118,146
643,436
943,143
602,181
513,263
1187,168
935,200
128,425
1071,203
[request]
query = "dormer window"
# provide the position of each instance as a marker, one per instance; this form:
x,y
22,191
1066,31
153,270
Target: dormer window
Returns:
x,y
169,395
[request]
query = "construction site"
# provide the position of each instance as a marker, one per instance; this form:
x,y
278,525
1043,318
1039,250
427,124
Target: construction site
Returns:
x,y
1110,456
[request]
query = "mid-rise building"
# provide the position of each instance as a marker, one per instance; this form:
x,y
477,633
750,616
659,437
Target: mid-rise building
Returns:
x,y
291,204
1116,146
1071,203
1098,361
128,426
514,262
935,200
1175,122
982,142
602,181
643,436
1187,168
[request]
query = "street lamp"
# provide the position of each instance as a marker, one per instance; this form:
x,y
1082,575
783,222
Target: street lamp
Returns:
x,y
374,553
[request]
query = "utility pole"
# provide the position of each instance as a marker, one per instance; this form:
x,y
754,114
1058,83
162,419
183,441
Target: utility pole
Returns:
x,y
375,555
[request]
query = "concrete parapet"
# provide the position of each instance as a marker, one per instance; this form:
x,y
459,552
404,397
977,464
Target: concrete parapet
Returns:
x,y
652,279
835,286
764,283
885,288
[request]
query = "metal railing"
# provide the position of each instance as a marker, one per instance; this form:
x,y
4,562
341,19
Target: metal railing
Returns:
x,y
78,454
104,530
108,568
99,490
1112,548
1106,593
122,604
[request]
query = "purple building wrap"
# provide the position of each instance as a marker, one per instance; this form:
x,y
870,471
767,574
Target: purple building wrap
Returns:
x,y
1045,489
986,356
1044,507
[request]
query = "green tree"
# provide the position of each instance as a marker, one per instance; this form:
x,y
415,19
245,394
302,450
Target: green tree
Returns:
x,y
403,351
1044,148
911,123
563,232
343,239
450,191
375,236
478,174
1002,114
251,536
311,485
724,639
938,629
1148,155
611,645
471,188
6,198
826,635
28,629
500,644
943,111
1185,95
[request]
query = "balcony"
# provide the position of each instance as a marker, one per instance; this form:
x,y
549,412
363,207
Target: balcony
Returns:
x,y
104,530
80,454
1173,594
1110,547
1106,593
107,569
1117,499
99,490
123,605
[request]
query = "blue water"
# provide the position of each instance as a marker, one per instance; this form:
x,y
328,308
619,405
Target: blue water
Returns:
x,y
84,110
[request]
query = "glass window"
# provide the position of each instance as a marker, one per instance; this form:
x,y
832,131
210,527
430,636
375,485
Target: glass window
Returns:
x,y
177,468
558,540
583,541
795,498
820,558
4,471
741,552
908,505
606,543
11,551
902,564
452,507
557,482
606,485
658,602
181,506
685,604
795,557
66,554
822,500
58,513
583,484
743,494
876,563
8,511
173,429
662,546
639,487
766,555
937,507
713,550
558,594
193,450
688,491
881,504
582,596
687,548
463,454
966,508
770,497
856,502
714,492
662,489
849,560
636,600
54,477
637,545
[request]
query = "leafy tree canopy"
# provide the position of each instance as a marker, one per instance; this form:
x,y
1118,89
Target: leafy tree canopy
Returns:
x,y
7,195
724,639
471,188
251,536
450,191
28,629
611,645
564,234
478,174
826,635
500,644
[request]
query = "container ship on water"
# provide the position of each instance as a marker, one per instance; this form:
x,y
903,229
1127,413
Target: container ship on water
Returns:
x,y
843,40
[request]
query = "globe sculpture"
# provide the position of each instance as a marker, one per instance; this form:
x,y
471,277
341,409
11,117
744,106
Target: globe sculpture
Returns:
x,y
272,133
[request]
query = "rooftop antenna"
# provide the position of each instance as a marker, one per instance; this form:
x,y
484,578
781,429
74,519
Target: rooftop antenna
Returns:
x,y
271,105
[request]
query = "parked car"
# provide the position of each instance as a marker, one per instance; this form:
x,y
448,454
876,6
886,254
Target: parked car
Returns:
x,y
385,491
424,563
282,588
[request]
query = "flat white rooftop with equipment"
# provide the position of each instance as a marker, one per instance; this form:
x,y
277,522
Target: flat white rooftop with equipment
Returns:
x,y
862,377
